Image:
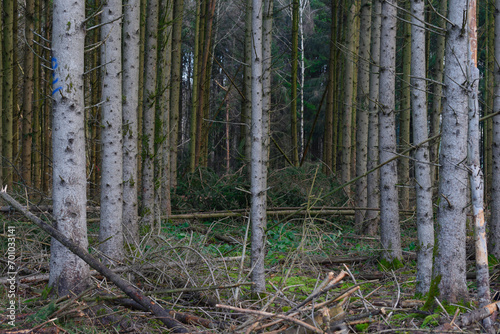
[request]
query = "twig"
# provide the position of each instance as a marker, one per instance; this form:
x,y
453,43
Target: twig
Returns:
x,y
268,314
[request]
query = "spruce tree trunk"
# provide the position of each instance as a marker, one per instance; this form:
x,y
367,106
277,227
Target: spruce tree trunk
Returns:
x,y
8,92
258,193
348,94
28,91
131,50
175,94
294,79
390,235
404,116
362,97
494,245
110,228
437,92
372,181
449,262
423,184
67,271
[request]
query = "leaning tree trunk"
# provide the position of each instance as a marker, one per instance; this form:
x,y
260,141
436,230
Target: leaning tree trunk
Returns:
x,y
67,271
423,184
390,235
449,262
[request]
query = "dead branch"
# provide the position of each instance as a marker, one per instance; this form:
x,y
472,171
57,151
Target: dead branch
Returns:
x,y
162,314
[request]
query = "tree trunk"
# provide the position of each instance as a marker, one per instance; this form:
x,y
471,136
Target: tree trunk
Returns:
x,y
405,115
175,94
348,93
372,181
8,92
110,228
495,177
330,102
423,184
131,49
28,91
362,98
67,271
294,78
148,132
449,265
437,92
258,193
389,210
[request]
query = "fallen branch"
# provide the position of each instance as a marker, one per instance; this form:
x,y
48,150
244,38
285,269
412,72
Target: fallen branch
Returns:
x,y
162,314
268,314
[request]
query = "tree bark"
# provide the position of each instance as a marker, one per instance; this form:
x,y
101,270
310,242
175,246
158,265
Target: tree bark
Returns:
x,y
131,50
149,106
389,211
258,193
372,181
423,184
362,110
449,261
8,92
294,79
67,271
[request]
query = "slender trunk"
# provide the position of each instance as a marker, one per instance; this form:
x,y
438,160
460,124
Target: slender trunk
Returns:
x,y
372,180
258,197
131,55
348,95
149,106
175,94
294,79
449,262
437,93
362,97
389,211
405,115
67,271
423,184
28,91
8,91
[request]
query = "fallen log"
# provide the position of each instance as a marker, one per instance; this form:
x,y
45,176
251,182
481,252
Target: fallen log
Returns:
x,y
163,315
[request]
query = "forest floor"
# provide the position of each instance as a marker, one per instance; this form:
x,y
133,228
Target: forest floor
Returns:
x,y
322,277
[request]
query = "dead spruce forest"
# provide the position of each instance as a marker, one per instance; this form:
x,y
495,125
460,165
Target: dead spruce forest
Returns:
x,y
250,166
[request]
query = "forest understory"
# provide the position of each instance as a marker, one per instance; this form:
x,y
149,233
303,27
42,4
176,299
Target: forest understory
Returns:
x,y
323,276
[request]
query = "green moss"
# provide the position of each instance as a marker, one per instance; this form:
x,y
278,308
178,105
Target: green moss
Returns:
x,y
361,327
433,292
431,320
394,264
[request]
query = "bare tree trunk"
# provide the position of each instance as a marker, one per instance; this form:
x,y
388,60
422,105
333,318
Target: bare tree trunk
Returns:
x,y
67,271
148,133
362,109
175,94
8,91
294,79
495,178
258,201
389,210
372,181
437,92
131,50
28,92
348,93
423,184
449,262
476,176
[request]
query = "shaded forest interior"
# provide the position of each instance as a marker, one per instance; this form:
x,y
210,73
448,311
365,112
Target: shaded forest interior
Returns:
x,y
250,166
